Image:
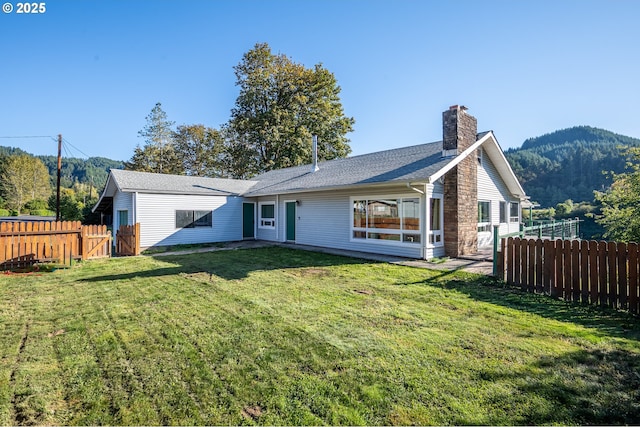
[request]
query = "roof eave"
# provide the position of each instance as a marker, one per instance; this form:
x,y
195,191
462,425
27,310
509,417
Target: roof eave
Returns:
x,y
498,158
454,162
340,187
104,192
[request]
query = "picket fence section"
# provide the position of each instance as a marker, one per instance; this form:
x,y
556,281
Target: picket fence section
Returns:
x,y
605,273
23,244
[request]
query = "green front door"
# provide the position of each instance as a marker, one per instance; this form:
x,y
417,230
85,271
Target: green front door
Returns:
x,y
291,221
248,220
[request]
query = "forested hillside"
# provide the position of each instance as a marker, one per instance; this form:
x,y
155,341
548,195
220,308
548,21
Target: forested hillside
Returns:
x,y
92,171
569,163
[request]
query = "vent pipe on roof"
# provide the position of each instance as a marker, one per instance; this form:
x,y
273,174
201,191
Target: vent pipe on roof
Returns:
x,y
314,154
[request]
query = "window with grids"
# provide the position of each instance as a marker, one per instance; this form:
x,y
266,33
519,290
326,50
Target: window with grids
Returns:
x,y
267,212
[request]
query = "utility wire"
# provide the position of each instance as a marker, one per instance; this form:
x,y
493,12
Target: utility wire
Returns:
x,y
14,137
65,141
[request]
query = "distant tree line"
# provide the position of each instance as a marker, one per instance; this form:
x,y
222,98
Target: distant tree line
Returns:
x,y
586,165
27,184
569,164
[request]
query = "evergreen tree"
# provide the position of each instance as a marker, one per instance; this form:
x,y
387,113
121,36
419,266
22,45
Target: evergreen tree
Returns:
x,y
158,154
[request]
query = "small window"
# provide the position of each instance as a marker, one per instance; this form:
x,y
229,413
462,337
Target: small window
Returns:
x,y
435,221
514,212
192,219
484,216
480,155
267,215
503,212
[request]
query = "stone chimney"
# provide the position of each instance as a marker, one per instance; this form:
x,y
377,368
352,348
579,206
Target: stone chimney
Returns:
x,y
459,130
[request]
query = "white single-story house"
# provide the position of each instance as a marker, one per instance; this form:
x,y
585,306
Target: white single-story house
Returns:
x,y
429,200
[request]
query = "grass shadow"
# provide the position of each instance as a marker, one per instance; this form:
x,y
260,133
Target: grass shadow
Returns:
x,y
587,387
607,321
235,264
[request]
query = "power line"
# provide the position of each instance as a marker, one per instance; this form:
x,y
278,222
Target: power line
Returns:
x,y
37,136
66,142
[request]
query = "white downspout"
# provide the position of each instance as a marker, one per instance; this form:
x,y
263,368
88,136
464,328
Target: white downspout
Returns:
x,y
423,218
277,209
134,209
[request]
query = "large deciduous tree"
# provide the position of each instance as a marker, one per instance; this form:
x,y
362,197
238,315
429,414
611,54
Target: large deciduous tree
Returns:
x,y
280,106
158,154
199,149
621,203
24,178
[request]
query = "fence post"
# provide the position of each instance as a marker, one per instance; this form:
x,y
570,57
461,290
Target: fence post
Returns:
x,y
137,239
84,247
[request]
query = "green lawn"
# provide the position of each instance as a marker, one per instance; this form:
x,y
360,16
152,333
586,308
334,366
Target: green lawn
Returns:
x,y
280,336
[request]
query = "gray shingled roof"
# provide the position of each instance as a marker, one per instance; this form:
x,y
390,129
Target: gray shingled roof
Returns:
x,y
399,165
178,184
415,163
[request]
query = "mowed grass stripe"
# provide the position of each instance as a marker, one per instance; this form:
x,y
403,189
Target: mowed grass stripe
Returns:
x,y
279,336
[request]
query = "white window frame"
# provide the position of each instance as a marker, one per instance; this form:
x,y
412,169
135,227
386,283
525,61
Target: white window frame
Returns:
x,y
194,223
435,238
504,211
484,227
513,219
401,232
268,223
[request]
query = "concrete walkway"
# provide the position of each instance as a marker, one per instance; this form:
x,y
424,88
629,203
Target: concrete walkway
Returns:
x,y
480,263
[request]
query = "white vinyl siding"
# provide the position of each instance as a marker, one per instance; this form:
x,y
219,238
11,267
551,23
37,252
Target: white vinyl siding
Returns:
x,y
324,219
156,214
492,188
122,202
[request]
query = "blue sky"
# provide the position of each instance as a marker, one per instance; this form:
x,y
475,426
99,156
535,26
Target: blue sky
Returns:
x,y
93,70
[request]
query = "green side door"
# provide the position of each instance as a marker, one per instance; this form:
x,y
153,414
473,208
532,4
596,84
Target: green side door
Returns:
x,y
248,221
291,221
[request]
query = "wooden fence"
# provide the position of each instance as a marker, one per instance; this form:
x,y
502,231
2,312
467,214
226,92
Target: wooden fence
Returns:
x,y
605,273
25,243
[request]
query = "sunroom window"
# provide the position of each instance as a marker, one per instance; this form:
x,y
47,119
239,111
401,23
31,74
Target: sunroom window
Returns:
x,y
387,219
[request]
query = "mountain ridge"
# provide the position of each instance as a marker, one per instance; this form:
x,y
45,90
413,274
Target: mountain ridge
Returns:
x,y
569,163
